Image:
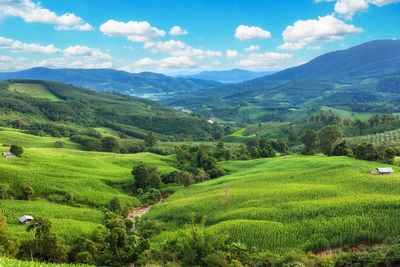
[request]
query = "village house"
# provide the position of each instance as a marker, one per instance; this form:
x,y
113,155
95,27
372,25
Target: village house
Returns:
x,y
8,155
26,219
384,171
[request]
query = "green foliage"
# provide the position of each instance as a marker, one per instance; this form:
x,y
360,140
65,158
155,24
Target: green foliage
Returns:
x,y
342,149
366,152
328,136
17,150
9,245
150,140
115,205
311,142
27,191
146,176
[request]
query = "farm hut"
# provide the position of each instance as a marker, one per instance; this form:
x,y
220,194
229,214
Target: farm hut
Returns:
x,y
8,155
384,171
26,219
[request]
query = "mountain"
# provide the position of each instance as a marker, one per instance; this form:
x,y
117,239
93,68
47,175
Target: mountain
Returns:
x,y
110,80
364,78
228,76
62,109
376,58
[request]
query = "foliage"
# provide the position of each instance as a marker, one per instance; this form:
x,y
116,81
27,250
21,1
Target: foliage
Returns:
x,y
311,142
328,136
150,140
9,245
27,192
17,150
146,176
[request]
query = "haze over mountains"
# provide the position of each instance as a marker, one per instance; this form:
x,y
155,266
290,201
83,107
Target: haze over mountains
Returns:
x,y
229,76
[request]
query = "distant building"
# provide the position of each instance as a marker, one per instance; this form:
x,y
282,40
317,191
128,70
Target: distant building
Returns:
x,y
26,219
8,155
384,171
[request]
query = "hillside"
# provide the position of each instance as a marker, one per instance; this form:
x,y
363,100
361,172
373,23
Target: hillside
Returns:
x,y
140,84
304,202
364,78
68,110
228,76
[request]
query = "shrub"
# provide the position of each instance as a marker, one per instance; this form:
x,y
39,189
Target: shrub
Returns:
x,y
27,191
4,191
17,150
59,144
115,205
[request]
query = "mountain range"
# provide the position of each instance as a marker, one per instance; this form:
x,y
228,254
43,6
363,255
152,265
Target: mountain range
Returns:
x,y
228,76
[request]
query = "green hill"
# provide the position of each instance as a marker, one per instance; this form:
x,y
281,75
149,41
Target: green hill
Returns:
x,y
304,202
24,104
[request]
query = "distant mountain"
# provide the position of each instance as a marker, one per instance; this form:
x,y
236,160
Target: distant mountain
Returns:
x,y
364,78
113,80
228,76
372,59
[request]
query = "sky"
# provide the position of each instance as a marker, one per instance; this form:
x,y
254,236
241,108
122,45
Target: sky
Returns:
x,y
183,36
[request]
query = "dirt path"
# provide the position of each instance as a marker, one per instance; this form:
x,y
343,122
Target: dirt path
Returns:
x,y
141,211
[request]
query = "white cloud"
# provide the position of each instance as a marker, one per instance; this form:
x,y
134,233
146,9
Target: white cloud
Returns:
x,y
231,53
268,60
86,57
348,8
248,33
181,62
306,32
19,47
180,49
135,31
10,63
216,62
32,12
252,48
176,30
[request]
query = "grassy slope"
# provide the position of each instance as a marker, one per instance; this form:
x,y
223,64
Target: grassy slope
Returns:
x,y
35,90
306,202
92,177
17,263
237,137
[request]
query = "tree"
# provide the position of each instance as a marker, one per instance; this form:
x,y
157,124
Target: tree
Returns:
x,y
26,191
115,205
254,152
292,134
187,179
146,176
17,150
342,149
366,151
110,144
150,140
328,137
388,155
310,141
267,151
9,245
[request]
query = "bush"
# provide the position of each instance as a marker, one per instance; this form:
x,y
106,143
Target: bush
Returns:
x,y
59,144
17,150
27,191
4,191
115,205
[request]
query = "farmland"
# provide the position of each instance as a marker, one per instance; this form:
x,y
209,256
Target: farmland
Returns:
x,y
390,138
33,89
309,203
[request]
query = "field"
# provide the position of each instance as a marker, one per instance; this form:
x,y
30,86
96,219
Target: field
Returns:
x,y
305,202
33,89
104,131
92,177
237,137
16,263
347,114
388,139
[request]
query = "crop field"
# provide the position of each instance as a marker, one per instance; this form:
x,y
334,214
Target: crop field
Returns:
x,y
388,139
347,114
17,263
33,89
304,202
11,136
237,137
107,132
68,222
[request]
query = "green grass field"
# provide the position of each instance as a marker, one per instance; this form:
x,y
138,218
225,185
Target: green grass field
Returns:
x,y
305,202
4,262
104,131
11,136
237,137
347,114
92,177
33,89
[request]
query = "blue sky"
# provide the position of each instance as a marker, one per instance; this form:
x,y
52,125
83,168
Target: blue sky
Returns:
x,y
182,36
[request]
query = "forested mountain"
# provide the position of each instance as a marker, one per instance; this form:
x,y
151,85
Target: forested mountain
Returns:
x,y
228,76
61,109
113,80
364,78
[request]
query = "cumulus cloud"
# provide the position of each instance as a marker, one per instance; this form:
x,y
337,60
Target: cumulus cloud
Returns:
x,y
325,29
176,30
249,33
135,31
180,62
20,47
180,49
252,48
269,60
231,53
86,57
348,8
32,12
